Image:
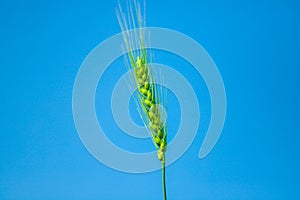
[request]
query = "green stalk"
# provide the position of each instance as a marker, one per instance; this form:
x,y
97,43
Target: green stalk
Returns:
x,y
163,176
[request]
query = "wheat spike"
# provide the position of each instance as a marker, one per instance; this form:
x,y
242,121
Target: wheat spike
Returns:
x,y
149,97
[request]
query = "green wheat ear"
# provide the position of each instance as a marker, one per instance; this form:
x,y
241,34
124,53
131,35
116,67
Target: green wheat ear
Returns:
x,y
150,97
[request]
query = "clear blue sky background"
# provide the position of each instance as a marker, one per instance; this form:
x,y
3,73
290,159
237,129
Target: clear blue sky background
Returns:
x,y
256,46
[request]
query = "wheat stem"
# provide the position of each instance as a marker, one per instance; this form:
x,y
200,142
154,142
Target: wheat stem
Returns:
x,y
163,176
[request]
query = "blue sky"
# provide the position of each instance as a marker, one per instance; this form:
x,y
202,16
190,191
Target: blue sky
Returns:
x,y
256,47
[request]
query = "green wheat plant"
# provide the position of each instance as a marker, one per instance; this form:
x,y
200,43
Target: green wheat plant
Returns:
x,y
150,97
